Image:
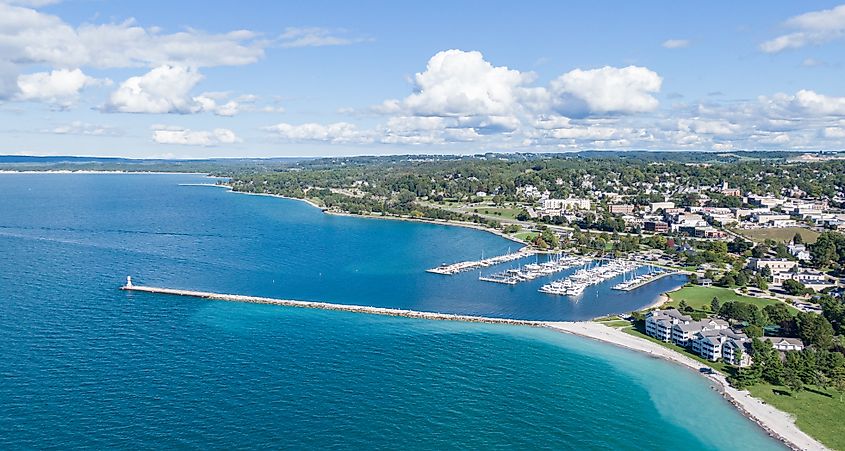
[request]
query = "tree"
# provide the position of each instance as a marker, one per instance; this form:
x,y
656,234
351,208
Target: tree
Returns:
x,y
797,238
837,380
777,313
714,304
761,283
794,287
792,380
754,331
682,306
815,330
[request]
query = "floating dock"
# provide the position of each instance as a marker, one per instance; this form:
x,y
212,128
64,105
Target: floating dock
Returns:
x,y
643,280
455,268
329,306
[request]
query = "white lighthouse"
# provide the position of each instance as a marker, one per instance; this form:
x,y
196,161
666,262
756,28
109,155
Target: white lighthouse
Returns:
x,y
128,281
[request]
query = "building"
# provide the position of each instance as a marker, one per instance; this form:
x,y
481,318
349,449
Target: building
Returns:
x,y
728,191
659,323
809,278
621,209
682,334
799,251
776,265
655,226
570,204
661,206
784,344
726,344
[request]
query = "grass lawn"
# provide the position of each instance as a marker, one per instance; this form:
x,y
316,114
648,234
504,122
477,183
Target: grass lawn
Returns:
x,y
509,213
698,297
783,234
818,412
615,323
718,366
527,236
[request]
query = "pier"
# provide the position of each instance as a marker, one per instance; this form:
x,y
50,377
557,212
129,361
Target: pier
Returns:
x,y
533,271
328,306
455,268
643,280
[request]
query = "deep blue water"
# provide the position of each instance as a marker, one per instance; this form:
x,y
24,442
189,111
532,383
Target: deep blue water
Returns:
x,y
83,365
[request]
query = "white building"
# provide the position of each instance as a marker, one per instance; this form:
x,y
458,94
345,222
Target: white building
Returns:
x,y
661,206
682,334
776,265
570,204
784,344
659,323
799,251
730,346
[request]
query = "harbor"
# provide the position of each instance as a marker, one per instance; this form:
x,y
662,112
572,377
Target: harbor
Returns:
x,y
455,268
575,284
535,270
644,279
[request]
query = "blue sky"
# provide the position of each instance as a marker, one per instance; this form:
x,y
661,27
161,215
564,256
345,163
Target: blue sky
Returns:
x,y
209,79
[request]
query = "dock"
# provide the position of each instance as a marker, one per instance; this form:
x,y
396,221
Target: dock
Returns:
x,y
455,268
643,281
328,306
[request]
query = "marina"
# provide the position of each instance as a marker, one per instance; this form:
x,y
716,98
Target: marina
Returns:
x,y
644,279
455,268
535,270
574,285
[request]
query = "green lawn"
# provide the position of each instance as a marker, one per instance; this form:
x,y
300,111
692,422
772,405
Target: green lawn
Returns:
x,y
615,323
784,234
818,412
527,236
718,366
509,213
698,297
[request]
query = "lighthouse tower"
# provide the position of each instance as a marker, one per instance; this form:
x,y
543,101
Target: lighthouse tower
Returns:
x,y
128,281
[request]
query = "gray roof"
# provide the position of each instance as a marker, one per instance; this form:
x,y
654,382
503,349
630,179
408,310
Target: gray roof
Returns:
x,y
670,313
792,341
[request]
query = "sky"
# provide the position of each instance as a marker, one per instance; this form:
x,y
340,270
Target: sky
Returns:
x,y
207,79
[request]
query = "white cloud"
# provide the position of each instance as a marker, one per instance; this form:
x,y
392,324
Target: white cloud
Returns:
x,y
804,102
84,128
339,132
32,37
675,43
607,90
834,132
165,89
317,37
458,83
60,87
707,127
813,28
163,134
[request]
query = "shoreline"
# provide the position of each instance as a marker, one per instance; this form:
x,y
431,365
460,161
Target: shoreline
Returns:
x,y
468,225
662,300
93,171
777,424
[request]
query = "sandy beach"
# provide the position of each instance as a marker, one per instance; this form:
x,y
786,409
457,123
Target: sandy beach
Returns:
x,y
776,423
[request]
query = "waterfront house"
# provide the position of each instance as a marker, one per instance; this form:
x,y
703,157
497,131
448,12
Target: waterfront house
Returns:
x,y
659,323
726,344
682,334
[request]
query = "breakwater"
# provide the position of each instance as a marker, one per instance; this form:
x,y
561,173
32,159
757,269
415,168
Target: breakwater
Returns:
x,y
329,306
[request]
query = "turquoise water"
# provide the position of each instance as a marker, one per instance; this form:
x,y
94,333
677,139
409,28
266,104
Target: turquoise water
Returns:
x,y
85,365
